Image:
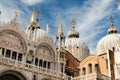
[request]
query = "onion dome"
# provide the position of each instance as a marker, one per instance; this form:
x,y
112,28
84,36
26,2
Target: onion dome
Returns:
x,y
77,48
75,45
110,41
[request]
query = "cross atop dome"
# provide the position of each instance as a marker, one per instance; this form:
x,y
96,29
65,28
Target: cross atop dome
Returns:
x,y
73,23
37,14
111,20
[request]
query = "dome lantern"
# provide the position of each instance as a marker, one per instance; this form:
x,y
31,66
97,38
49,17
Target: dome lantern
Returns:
x,y
73,33
112,29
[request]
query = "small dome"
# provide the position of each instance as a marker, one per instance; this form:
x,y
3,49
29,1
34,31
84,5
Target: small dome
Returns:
x,y
77,48
109,41
41,34
73,33
75,45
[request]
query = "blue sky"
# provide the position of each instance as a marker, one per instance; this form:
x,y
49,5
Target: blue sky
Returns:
x,y
92,16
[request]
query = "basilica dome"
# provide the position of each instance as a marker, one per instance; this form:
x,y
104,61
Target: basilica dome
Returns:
x,y
75,45
40,33
110,41
34,31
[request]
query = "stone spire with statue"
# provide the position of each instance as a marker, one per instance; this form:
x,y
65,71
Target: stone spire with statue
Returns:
x,y
60,38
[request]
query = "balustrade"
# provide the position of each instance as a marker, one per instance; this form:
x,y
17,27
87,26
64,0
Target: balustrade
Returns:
x,y
27,66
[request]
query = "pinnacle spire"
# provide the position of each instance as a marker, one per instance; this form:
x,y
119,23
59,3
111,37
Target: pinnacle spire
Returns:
x,y
16,15
60,30
60,38
32,17
47,28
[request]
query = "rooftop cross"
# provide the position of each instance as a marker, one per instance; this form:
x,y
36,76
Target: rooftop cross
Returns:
x,y
37,14
111,20
73,23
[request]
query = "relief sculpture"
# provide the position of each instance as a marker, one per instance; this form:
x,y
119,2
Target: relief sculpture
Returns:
x,y
44,52
11,41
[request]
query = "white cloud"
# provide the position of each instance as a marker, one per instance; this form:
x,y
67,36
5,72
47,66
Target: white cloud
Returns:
x,y
8,9
87,17
92,16
119,6
32,2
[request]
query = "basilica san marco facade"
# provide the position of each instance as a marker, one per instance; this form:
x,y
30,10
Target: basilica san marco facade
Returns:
x,y
32,54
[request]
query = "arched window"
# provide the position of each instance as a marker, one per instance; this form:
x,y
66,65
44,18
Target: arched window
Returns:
x,y
34,77
14,55
61,67
67,62
3,50
40,62
90,68
36,61
96,67
20,57
8,52
84,71
44,64
112,31
49,65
